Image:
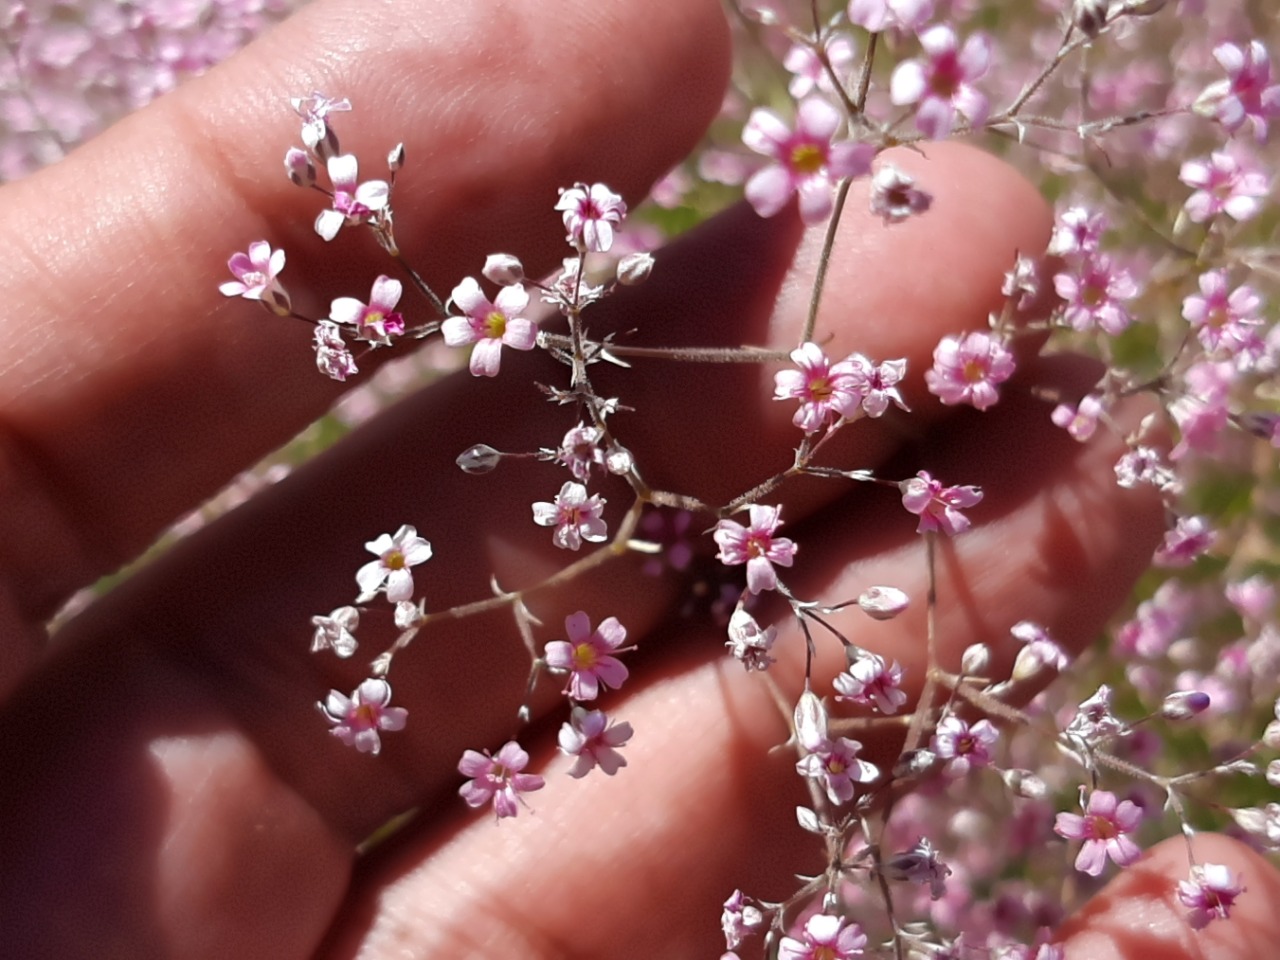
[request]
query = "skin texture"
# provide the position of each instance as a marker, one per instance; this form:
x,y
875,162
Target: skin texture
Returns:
x,y
166,789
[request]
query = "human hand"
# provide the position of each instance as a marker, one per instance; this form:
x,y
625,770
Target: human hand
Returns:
x,y
168,790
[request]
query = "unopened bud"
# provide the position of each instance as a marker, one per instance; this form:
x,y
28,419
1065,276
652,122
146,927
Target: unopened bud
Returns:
x,y
395,159
976,659
479,459
298,165
1184,704
1273,773
1025,784
1091,15
883,603
1271,735
503,268
810,721
618,460
634,268
320,139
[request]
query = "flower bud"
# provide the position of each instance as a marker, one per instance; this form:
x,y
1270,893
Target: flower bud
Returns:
x,y
1273,773
1271,735
810,721
883,603
618,460
503,268
976,659
298,165
1091,15
319,138
395,159
478,459
1025,784
634,268
1184,704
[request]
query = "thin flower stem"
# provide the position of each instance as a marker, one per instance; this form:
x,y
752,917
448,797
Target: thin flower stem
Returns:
x,y
436,303
924,706
824,261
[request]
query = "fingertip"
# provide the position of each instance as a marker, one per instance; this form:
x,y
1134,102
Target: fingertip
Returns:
x,y
1138,915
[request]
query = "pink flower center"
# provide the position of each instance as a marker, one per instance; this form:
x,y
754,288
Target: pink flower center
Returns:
x,y
946,77
496,324
364,716
824,953
757,546
807,158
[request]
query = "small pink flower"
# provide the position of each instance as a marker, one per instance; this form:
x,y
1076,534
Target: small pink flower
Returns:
x,y
1082,421
937,506
588,737
836,765
824,938
942,83
575,516
1189,538
739,920
333,357
877,16
808,73
396,554
1209,894
498,779
353,202
358,719
1247,95
878,383
964,747
895,196
1223,184
255,277
1039,651
969,369
489,325
756,546
1077,230
1104,828
1095,292
806,161
580,450
1203,412
376,321
870,679
826,391
590,214
588,655
1223,319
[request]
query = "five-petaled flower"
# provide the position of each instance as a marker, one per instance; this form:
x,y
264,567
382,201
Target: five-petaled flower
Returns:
x,y
756,546
353,202
357,719
589,737
825,390
1247,95
588,655
969,369
962,746
870,679
396,554
824,938
255,277
1209,894
377,321
1104,828
937,506
942,83
590,214
575,516
497,778
835,763
806,161
489,324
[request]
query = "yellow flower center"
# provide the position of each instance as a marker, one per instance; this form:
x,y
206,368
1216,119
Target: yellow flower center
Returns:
x,y
373,318
820,388
807,158
584,656
496,324
394,560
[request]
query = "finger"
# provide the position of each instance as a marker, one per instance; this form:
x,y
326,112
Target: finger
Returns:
x,y
1139,915
704,806
140,391
202,643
